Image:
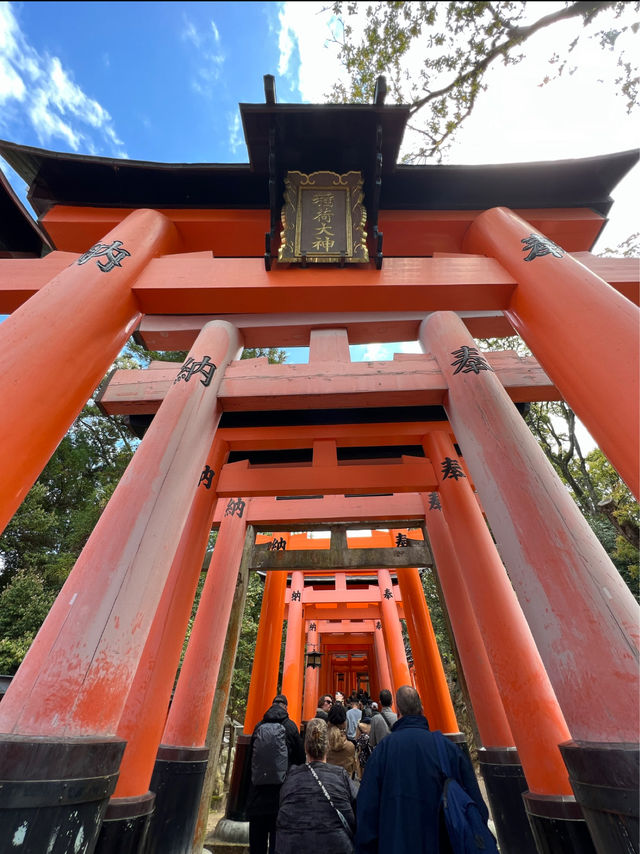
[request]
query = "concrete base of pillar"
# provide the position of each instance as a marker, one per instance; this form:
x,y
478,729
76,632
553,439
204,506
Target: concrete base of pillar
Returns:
x,y
125,825
178,777
557,824
505,783
605,778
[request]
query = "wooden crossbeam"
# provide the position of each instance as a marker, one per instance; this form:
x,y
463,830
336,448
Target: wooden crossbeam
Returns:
x,y
417,554
201,284
253,384
412,475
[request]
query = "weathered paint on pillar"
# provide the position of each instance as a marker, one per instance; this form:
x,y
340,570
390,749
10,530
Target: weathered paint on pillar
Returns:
x,y
76,677
312,675
533,712
143,717
581,613
393,632
264,676
583,332
56,348
430,679
487,706
191,707
384,674
293,666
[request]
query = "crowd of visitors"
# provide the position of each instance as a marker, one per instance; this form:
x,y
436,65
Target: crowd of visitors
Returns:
x,y
348,788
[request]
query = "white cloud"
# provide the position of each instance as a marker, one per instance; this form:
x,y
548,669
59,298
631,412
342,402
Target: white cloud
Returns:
x,y
210,57
582,114
55,105
306,32
236,137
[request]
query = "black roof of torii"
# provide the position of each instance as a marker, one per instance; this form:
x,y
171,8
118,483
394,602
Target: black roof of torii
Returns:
x,y
306,137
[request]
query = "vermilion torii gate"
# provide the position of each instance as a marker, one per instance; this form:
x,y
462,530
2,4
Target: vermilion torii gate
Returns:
x,y
549,650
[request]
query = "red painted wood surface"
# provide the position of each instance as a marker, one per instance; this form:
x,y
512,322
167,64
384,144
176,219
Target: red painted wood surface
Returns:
x,y
293,665
255,385
532,709
487,705
190,710
429,672
178,332
241,232
77,674
392,632
56,348
198,283
582,615
585,335
242,479
266,663
382,662
143,718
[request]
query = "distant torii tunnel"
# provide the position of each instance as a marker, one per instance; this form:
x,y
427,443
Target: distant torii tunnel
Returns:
x,y
427,452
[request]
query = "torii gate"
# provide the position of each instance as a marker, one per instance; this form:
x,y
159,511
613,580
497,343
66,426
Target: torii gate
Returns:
x,y
86,712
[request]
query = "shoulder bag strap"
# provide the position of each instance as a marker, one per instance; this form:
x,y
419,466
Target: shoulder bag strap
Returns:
x,y
343,820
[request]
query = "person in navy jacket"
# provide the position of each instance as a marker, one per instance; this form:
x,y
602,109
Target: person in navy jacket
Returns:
x,y
399,798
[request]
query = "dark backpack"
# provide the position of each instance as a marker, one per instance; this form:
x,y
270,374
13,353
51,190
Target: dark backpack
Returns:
x,y
270,757
467,830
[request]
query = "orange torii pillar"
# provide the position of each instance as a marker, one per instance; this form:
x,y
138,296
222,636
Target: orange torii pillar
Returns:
x,y
583,332
181,762
145,711
392,630
292,668
498,757
430,678
382,662
263,686
61,714
534,715
312,675
56,347
583,617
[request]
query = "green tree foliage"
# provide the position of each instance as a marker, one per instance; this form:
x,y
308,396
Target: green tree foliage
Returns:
x,y
453,45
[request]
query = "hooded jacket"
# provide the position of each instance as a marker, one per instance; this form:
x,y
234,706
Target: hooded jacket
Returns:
x,y
399,797
263,800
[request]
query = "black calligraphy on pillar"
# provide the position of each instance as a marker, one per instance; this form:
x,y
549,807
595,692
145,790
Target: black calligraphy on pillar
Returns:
x,y
388,594
402,541
434,501
206,477
537,246
235,506
295,596
205,367
312,627
379,625
114,253
451,469
469,359
277,545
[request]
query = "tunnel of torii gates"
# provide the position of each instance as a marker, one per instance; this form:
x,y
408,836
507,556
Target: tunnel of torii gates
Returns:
x,y
428,452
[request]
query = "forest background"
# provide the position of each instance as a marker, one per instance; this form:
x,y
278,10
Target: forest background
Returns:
x,y
435,56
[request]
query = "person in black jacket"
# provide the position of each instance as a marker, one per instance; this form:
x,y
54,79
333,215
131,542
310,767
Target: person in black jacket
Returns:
x,y
307,821
262,801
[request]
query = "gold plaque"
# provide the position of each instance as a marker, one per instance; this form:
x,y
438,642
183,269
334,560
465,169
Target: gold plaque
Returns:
x,y
323,219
